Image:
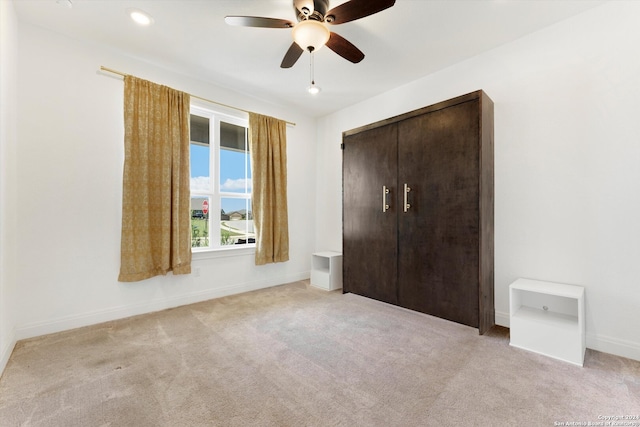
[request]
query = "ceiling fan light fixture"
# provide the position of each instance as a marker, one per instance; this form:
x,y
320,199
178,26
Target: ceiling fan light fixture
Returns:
x,y
310,34
313,89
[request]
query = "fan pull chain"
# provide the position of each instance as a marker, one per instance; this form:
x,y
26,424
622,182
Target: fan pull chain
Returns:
x,y
313,80
313,89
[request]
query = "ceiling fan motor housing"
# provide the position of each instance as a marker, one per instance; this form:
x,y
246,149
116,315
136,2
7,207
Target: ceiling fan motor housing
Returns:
x,y
320,8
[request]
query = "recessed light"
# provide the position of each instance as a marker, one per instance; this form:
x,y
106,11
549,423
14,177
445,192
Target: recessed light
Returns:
x,y
65,3
140,17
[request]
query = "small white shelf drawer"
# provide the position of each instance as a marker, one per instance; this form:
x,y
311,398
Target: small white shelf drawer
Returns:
x,y
548,318
326,270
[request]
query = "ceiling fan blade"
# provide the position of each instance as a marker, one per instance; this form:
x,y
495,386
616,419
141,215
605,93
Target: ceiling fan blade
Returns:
x,y
258,21
291,56
304,6
356,9
345,48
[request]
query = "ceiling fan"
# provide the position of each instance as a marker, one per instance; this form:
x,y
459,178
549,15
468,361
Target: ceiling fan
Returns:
x,y
310,33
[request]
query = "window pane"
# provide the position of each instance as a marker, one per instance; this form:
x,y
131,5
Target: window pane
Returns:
x,y
200,222
248,171
232,137
236,221
234,159
200,175
199,129
199,154
233,173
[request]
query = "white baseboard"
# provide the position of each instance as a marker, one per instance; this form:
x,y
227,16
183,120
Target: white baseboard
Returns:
x,y
622,348
502,319
65,323
6,353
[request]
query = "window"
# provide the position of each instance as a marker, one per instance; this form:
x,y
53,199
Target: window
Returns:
x,y
220,181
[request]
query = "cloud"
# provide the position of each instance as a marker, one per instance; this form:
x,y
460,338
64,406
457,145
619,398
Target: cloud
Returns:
x,y
235,184
200,184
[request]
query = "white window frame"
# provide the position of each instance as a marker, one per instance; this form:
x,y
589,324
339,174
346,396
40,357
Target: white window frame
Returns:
x,y
216,115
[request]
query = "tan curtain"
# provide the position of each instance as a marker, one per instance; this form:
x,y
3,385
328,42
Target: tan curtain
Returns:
x,y
268,146
156,200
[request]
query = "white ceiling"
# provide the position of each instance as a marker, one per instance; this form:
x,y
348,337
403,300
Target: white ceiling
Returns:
x,y
408,41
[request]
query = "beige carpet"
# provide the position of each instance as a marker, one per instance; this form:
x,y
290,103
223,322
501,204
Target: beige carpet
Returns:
x,y
297,356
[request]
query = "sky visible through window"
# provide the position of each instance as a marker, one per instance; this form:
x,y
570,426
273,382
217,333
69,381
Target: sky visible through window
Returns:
x,y
232,164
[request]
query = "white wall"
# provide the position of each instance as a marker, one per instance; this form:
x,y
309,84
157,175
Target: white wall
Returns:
x,y
8,102
69,172
567,156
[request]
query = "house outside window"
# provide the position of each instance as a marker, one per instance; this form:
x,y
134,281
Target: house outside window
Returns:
x,y
221,214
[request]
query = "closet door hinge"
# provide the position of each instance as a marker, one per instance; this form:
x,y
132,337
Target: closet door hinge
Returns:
x,y
342,146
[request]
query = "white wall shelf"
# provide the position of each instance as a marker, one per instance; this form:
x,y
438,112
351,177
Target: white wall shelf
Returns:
x,y
326,270
548,318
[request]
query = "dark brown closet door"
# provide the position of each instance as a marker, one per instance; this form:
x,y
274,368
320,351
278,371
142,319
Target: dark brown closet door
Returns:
x,y
369,234
438,252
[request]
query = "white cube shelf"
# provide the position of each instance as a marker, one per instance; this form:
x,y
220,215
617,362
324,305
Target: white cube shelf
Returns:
x,y
548,318
326,270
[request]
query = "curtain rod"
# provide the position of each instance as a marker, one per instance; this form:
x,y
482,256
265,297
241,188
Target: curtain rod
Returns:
x,y
120,73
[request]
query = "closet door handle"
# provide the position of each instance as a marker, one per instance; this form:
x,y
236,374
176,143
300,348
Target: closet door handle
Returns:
x,y
385,192
406,197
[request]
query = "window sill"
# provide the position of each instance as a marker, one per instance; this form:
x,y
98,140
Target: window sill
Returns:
x,y
231,251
